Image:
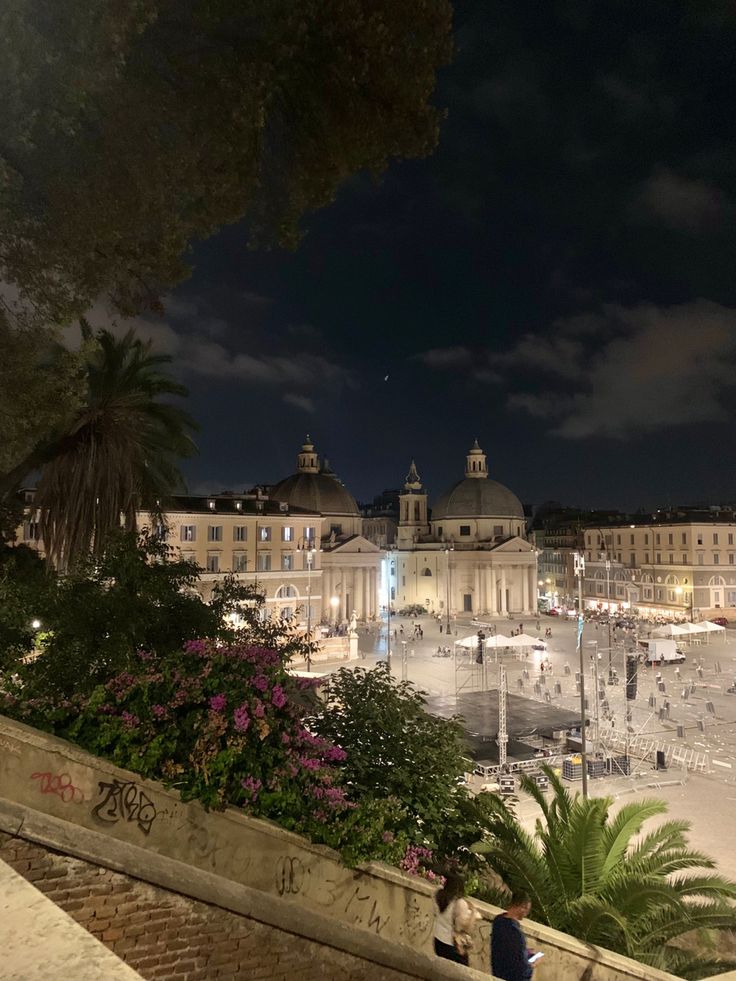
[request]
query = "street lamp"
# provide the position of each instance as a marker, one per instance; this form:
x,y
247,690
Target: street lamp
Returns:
x,y
448,591
390,550
36,624
579,560
306,545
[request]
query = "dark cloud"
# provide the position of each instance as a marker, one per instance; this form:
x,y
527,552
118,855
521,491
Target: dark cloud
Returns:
x,y
681,204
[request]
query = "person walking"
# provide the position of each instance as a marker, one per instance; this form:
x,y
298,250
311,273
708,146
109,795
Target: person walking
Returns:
x,y
509,954
453,916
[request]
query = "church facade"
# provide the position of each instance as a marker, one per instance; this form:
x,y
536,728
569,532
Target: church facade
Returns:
x,y
349,564
472,557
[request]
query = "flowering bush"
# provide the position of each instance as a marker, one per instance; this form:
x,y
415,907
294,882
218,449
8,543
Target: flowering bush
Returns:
x,y
222,724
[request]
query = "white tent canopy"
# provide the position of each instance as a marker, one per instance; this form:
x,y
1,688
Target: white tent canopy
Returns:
x,y
498,640
524,640
670,630
709,626
691,628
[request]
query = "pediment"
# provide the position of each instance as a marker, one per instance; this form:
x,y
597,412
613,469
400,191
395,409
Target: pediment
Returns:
x,y
514,544
353,545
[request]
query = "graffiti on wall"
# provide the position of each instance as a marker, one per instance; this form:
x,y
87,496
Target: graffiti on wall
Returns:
x,y
60,785
124,801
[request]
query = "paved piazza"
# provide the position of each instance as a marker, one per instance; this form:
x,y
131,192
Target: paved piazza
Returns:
x,y
705,798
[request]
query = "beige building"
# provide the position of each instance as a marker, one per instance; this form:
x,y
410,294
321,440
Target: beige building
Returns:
x,y
260,541
472,557
676,567
350,563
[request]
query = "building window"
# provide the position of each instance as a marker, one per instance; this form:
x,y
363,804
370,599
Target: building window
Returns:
x,y
287,534
287,561
715,537
659,593
730,538
684,538
31,531
631,539
497,531
240,562
287,613
211,505
659,556
700,539
264,562
684,559
464,529
188,533
426,572
214,533
286,592
730,558
439,531
264,533
309,534
336,529
188,557
213,562
701,558
657,539
647,592
618,539
646,558
670,539
646,539
632,557
240,533
716,558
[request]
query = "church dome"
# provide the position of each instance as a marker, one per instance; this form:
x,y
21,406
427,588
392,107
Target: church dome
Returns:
x,y
315,489
476,496
478,499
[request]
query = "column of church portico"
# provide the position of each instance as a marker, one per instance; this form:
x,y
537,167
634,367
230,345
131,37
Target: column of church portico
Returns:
x,y
373,591
326,591
483,602
532,575
524,590
503,607
360,593
493,605
476,590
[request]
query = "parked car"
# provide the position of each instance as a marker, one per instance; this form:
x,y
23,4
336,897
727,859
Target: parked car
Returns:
x,y
721,621
553,613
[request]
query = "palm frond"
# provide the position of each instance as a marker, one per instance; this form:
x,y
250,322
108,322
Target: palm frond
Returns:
x,y
617,835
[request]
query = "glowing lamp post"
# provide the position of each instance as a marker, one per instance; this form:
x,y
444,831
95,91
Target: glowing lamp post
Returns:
x,y
334,603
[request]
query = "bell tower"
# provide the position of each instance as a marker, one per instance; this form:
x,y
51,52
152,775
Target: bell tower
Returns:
x,y
307,461
412,510
475,462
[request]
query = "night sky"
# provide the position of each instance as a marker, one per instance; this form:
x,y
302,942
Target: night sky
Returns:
x,y
557,280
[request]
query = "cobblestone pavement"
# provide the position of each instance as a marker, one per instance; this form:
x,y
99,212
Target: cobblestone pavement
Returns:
x,y
695,692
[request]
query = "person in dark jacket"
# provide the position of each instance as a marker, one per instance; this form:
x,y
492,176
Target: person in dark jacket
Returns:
x,y
509,954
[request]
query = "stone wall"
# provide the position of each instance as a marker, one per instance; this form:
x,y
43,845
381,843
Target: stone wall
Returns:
x,y
120,853
165,935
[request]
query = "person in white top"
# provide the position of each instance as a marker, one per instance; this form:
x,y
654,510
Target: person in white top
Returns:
x,y
453,915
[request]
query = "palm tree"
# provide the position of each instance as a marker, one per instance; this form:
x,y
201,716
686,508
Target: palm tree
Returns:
x,y
118,455
596,877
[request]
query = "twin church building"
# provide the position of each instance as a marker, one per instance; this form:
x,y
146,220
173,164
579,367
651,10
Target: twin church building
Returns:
x,y
471,556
